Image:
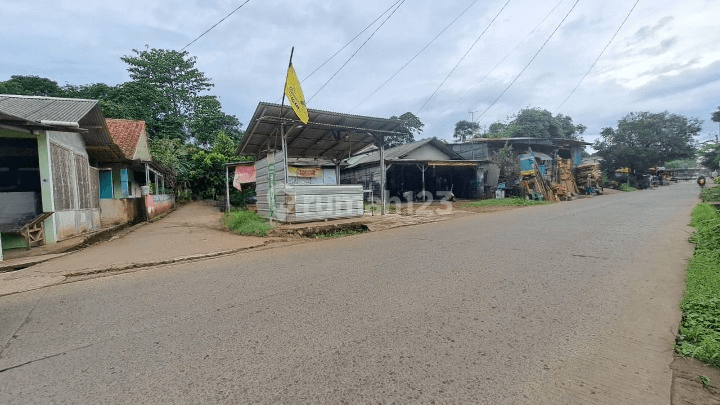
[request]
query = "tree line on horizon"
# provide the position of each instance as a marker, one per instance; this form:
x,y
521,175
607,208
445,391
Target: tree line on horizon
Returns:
x,y
189,132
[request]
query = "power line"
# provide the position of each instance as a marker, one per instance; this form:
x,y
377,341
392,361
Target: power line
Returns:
x,y
516,46
599,56
463,57
531,60
358,50
352,40
416,55
215,25
489,72
348,43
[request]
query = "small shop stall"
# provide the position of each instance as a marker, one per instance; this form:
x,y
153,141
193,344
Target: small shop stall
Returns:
x,y
297,165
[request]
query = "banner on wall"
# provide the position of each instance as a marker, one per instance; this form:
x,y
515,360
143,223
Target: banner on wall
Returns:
x,y
243,174
305,171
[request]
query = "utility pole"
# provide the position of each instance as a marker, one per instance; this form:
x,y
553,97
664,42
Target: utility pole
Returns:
x,y
472,116
472,119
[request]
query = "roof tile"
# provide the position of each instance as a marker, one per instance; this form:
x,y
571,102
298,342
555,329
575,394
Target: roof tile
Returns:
x,y
126,134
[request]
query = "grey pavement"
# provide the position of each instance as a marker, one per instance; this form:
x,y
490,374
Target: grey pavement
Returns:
x,y
192,231
568,303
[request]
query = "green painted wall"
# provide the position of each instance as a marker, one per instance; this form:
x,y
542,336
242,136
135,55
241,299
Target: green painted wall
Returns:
x,y
13,241
46,186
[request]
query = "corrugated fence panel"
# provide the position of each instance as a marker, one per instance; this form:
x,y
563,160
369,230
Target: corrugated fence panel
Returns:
x,y
63,178
94,187
83,181
312,203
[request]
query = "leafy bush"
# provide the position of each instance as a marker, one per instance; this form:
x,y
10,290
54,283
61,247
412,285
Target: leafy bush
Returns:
x,y
246,223
699,335
710,194
702,213
626,187
239,198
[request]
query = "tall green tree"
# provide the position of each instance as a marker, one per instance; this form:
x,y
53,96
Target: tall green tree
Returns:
x,y
715,117
496,130
411,126
174,75
536,123
207,175
465,130
643,139
208,120
31,86
711,152
540,123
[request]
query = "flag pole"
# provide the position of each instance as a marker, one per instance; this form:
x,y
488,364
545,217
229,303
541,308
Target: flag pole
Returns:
x,y
282,121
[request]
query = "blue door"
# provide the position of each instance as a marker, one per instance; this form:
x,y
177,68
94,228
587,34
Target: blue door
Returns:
x,y
106,189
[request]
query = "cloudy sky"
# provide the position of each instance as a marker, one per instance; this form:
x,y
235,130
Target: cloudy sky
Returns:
x,y
665,57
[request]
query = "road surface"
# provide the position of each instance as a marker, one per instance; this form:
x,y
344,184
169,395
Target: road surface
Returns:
x,y
575,302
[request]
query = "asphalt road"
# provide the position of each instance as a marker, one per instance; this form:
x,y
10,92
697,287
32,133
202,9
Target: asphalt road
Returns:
x,y
569,303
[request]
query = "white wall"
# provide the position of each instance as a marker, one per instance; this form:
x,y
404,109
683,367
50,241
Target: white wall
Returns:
x,y
427,152
69,140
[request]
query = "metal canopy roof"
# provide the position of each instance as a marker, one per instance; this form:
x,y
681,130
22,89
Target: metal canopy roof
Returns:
x,y
399,152
328,135
63,115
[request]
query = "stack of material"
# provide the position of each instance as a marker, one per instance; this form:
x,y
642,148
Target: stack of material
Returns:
x,y
589,175
566,178
535,187
561,192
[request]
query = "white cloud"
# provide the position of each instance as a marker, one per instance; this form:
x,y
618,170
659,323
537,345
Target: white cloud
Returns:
x,y
665,58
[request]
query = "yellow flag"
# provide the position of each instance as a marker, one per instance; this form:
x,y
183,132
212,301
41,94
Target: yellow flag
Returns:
x,y
295,95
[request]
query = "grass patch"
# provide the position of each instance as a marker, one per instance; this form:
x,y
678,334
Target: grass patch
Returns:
x,y
710,194
626,187
699,335
506,202
377,207
246,223
340,234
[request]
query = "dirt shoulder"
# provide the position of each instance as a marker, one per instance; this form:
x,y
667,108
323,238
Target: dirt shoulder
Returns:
x,y
687,387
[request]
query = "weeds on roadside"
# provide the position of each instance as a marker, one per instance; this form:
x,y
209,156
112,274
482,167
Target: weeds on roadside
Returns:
x,y
340,234
699,335
377,207
710,194
505,202
705,380
245,223
626,187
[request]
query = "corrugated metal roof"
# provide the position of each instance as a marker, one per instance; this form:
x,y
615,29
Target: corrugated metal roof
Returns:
x,y
58,114
36,109
328,135
401,151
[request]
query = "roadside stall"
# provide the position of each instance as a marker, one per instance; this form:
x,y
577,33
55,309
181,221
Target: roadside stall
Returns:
x,y
297,165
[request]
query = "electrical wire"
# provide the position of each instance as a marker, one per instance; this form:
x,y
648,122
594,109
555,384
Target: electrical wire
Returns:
x,y
515,48
358,50
416,55
215,25
531,60
348,43
352,40
599,56
463,57
489,72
